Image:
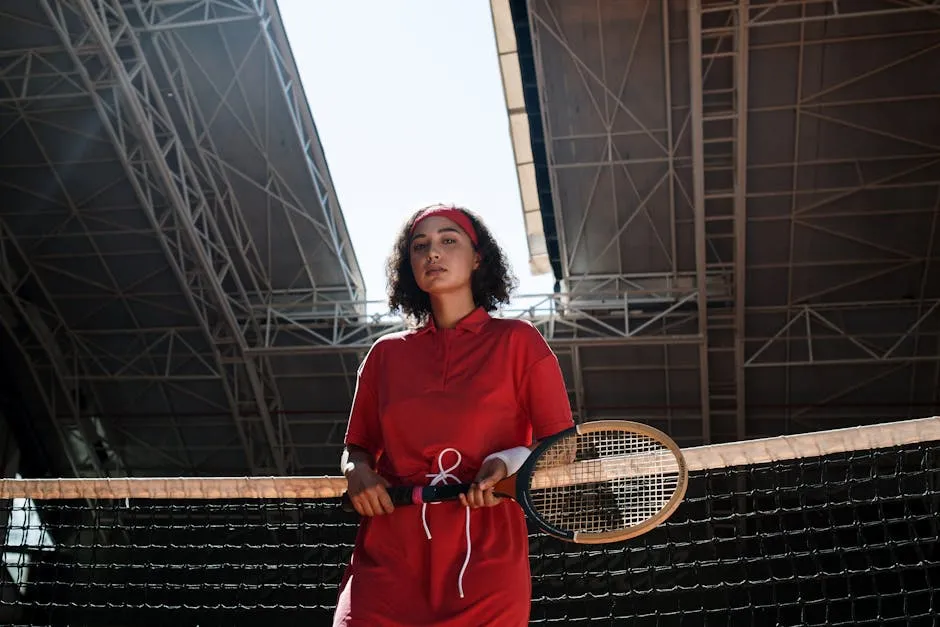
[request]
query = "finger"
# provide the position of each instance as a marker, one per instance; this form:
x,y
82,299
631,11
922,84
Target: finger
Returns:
x,y
478,498
356,505
484,500
489,483
385,500
472,496
368,504
482,474
362,505
491,499
491,474
375,500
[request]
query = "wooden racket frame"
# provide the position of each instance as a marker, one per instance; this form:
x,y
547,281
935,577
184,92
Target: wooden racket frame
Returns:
x,y
518,486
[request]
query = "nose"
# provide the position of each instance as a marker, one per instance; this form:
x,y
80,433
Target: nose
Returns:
x,y
433,251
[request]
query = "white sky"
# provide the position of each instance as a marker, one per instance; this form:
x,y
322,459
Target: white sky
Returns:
x,y
408,101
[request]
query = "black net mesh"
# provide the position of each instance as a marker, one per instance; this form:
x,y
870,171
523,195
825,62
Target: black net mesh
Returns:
x,y
843,540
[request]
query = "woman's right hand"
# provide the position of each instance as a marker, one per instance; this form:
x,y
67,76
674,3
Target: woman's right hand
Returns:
x,y
366,490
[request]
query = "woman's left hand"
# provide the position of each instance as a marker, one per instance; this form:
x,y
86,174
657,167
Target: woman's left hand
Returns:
x,y
481,492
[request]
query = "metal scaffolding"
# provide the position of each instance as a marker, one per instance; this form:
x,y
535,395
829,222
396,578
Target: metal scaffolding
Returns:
x,y
180,294
150,264
676,135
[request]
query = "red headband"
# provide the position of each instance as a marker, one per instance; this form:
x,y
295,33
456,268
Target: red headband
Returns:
x,y
451,213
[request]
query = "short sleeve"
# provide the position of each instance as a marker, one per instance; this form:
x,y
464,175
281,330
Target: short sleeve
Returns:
x,y
542,389
363,427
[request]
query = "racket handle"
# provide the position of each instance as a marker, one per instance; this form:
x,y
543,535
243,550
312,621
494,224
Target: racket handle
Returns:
x,y
405,495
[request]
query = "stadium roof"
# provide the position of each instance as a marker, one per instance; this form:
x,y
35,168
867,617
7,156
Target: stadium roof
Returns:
x,y
770,167
167,194
180,295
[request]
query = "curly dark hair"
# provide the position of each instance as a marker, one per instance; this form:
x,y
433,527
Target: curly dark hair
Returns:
x,y
492,282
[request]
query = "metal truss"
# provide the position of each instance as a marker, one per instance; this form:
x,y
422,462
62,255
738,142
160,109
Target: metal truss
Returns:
x,y
34,323
131,337
638,171
644,181
53,371
36,329
656,314
851,318
165,22
158,99
841,334
766,13
691,179
624,160
609,318
172,190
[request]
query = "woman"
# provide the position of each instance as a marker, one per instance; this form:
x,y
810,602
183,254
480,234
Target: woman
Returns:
x,y
458,399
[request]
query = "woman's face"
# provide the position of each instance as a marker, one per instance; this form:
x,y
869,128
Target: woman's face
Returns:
x,y
442,256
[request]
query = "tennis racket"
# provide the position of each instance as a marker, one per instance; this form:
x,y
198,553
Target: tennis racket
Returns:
x,y
597,482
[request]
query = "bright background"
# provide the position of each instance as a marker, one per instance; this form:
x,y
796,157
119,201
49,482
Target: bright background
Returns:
x,y
408,102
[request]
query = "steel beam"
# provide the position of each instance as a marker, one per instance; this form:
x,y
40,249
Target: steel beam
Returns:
x,y
669,111
698,198
741,60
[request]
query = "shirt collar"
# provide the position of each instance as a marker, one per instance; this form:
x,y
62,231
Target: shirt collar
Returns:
x,y
472,322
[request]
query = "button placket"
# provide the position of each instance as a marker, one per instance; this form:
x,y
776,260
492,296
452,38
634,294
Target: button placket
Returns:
x,y
446,339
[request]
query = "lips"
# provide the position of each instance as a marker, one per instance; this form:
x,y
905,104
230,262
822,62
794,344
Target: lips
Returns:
x,y
434,270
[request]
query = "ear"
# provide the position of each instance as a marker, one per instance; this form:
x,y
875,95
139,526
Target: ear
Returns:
x,y
476,261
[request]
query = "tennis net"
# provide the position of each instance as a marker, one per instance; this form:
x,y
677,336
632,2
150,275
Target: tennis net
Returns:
x,y
830,528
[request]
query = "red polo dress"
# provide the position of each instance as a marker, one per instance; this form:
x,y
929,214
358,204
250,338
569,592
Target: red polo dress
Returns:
x,y
431,404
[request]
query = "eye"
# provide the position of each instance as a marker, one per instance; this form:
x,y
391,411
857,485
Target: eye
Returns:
x,y
450,240
419,246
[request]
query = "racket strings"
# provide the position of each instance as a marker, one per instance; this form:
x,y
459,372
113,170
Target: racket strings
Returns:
x,y
603,481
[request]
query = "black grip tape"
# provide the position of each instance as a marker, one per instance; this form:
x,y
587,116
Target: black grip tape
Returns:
x,y
400,495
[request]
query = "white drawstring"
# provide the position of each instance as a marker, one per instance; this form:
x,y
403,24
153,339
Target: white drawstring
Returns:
x,y
441,477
